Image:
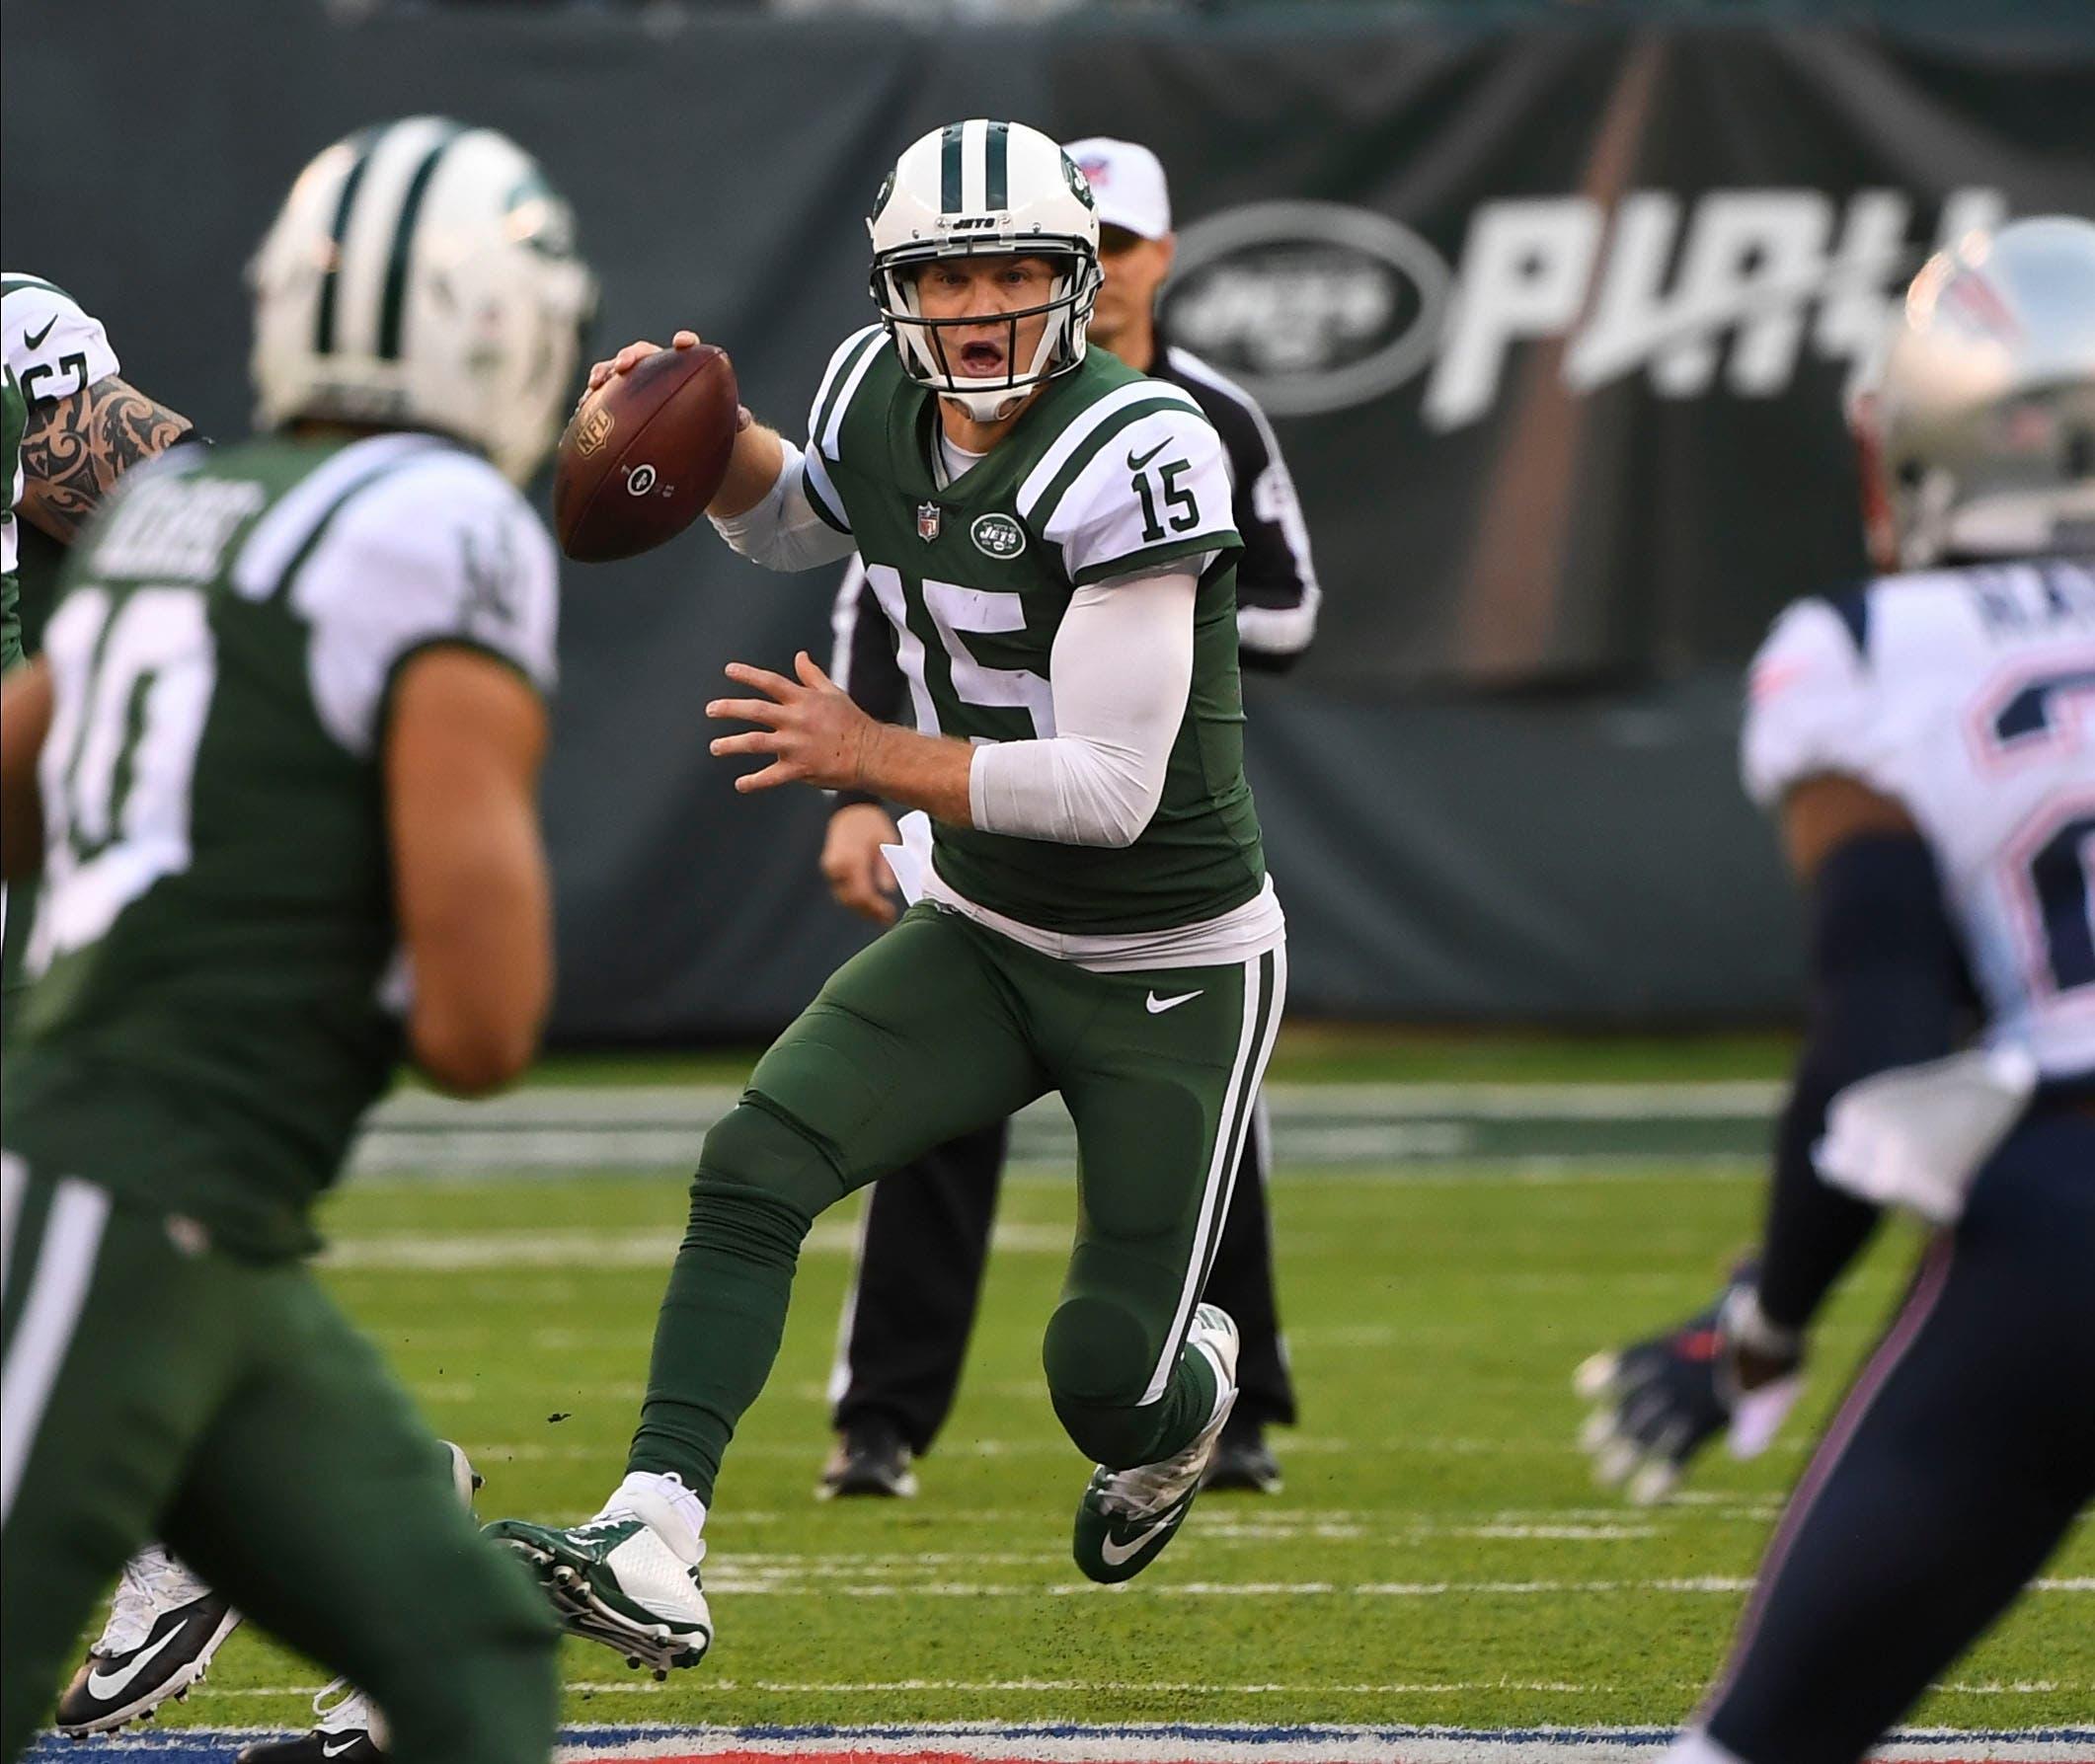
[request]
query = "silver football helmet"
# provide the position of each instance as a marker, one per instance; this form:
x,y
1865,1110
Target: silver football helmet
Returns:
x,y
1977,425
985,188
424,275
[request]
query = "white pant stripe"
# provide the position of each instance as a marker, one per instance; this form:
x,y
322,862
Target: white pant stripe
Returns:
x,y
14,1183
37,1347
1252,1118
1222,1167
847,1323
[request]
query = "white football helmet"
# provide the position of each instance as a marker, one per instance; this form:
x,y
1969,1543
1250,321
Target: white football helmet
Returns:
x,y
422,274
985,188
1978,426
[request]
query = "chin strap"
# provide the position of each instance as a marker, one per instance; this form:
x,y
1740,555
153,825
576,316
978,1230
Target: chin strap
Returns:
x,y
978,405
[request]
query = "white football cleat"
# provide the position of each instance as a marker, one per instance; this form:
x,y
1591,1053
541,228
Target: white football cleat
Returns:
x,y
164,1627
1127,1516
627,1577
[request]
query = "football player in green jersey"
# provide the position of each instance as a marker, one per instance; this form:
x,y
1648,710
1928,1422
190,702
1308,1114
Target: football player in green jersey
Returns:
x,y
279,760
1051,534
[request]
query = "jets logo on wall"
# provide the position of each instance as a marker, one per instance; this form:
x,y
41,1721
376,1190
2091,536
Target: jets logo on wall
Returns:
x,y
1318,306
1312,305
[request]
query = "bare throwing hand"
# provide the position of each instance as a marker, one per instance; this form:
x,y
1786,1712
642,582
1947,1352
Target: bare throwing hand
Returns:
x,y
634,353
809,727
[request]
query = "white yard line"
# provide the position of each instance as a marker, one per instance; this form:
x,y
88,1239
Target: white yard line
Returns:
x,y
531,1451
642,1686
658,1128
700,1105
459,1252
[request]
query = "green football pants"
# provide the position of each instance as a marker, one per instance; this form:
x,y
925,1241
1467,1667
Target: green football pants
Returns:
x,y
153,1388
937,1028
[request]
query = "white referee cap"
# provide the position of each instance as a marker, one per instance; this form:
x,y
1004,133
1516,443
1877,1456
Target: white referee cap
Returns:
x,y
1127,181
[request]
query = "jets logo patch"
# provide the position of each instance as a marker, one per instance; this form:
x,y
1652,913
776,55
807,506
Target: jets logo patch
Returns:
x,y
997,536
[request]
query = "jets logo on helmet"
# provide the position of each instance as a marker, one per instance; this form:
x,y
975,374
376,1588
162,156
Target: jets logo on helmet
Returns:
x,y
422,274
977,189
1080,182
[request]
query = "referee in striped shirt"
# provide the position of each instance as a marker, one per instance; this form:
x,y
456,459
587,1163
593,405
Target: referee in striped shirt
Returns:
x,y
926,1233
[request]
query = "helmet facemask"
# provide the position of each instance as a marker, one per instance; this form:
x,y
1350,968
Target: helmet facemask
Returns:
x,y
923,344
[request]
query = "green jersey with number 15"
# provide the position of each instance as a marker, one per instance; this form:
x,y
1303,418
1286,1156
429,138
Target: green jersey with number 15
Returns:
x,y
216,994
1107,475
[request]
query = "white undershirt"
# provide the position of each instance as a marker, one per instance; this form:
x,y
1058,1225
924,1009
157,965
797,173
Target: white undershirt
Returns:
x,y
1121,671
953,460
783,531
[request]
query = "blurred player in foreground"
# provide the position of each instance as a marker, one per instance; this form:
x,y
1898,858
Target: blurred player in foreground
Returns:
x,y
924,1241
286,730
1930,747
1050,532
69,428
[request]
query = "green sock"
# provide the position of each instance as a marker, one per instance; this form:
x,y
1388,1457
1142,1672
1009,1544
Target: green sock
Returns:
x,y
719,1327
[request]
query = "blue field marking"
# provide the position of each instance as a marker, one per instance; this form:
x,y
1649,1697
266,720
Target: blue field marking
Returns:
x,y
217,1745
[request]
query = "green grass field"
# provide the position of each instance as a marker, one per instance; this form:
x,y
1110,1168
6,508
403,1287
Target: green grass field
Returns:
x,y
1439,1553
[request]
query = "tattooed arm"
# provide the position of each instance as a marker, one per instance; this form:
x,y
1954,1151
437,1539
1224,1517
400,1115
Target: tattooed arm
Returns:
x,y
74,448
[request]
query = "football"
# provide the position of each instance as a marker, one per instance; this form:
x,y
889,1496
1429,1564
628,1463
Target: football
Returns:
x,y
644,454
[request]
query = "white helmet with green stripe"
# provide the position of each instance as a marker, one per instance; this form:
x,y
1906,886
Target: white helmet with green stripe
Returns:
x,y
422,274
984,187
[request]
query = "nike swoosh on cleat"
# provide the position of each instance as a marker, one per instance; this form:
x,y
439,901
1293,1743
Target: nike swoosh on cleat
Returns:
x,y
110,1685
1136,465
335,1751
33,340
1158,1006
1114,1553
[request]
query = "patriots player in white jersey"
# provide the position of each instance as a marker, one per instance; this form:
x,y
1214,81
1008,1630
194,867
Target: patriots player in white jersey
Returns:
x,y
1929,746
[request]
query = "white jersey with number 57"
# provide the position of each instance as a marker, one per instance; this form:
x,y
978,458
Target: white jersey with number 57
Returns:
x,y
1968,694
53,349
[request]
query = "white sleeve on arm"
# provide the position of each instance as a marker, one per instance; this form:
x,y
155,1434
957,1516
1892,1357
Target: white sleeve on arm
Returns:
x,y
786,531
1121,671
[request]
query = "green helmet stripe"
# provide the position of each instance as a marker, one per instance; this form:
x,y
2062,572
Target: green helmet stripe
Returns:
x,y
396,290
997,185
948,170
324,324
